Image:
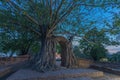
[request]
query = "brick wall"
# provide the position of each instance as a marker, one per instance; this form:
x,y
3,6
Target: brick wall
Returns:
x,y
84,63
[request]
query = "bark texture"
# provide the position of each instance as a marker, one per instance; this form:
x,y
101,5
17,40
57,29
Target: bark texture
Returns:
x,y
45,60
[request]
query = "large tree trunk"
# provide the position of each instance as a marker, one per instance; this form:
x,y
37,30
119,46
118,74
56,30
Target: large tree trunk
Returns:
x,y
67,56
45,60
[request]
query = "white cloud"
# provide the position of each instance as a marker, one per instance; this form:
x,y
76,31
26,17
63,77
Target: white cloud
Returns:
x,y
113,49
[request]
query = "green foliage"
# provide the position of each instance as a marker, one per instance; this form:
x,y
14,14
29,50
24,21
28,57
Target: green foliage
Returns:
x,y
98,52
114,57
16,40
35,47
58,47
79,54
94,46
16,32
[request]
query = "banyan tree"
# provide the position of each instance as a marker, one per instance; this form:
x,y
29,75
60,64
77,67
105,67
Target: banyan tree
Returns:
x,y
43,17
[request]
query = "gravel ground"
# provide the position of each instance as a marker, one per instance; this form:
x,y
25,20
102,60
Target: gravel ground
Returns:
x,y
54,75
81,78
105,77
24,74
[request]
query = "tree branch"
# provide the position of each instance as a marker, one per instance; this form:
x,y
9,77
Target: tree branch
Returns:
x,y
70,8
77,35
99,5
32,29
24,13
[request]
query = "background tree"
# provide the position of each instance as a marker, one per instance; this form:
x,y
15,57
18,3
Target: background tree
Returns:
x,y
95,48
98,52
114,57
15,40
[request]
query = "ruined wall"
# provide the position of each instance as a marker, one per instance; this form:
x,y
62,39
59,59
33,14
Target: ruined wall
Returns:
x,y
12,60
